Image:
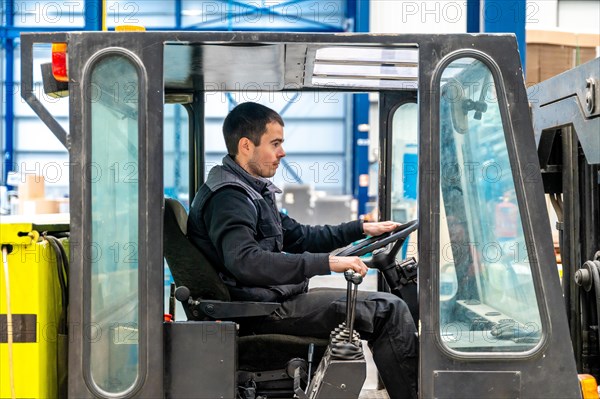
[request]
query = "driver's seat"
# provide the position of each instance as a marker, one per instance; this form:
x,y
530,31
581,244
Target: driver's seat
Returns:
x,y
192,269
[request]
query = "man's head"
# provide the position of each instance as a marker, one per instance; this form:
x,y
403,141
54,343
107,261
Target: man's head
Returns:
x,y
254,137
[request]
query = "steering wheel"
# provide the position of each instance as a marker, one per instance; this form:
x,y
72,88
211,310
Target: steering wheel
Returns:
x,y
397,275
398,235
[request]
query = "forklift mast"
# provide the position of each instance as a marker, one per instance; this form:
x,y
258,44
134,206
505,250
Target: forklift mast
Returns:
x,y
566,121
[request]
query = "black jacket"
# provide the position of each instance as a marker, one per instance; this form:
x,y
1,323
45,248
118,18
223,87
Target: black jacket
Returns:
x,y
261,254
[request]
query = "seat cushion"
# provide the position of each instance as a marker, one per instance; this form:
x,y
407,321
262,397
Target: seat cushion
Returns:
x,y
273,351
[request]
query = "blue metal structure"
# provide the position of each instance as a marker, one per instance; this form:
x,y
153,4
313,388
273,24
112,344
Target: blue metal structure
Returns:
x,y
9,35
290,15
499,16
93,14
230,15
360,117
506,16
9,48
473,14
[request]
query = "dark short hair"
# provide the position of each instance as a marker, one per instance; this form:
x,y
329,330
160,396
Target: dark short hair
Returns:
x,y
247,120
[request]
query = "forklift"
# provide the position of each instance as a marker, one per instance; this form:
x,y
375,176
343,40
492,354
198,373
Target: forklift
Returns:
x,y
484,287
566,120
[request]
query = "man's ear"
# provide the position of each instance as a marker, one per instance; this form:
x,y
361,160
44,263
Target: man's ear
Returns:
x,y
244,145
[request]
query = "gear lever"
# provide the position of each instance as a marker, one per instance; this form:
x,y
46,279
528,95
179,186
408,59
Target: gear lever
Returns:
x,y
340,332
348,274
356,280
345,344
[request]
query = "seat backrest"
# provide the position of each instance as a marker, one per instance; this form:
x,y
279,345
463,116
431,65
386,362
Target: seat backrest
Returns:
x,y
188,265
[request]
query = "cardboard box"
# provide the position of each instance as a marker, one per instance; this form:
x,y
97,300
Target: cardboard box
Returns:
x,y
31,187
38,206
63,205
550,53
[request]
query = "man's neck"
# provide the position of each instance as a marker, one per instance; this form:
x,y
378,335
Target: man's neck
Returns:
x,y
244,165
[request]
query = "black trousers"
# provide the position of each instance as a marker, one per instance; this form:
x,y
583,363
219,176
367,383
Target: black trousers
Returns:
x,y
382,319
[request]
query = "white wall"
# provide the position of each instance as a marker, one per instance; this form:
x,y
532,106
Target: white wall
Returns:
x,y
400,16
541,14
579,16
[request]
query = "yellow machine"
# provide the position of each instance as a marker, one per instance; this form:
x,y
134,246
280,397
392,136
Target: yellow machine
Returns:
x,y
32,318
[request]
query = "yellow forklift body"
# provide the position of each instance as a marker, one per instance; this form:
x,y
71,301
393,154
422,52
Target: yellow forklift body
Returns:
x,y
35,303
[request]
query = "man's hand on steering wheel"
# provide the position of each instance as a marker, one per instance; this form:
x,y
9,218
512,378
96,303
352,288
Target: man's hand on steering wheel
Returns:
x,y
377,228
348,257
383,233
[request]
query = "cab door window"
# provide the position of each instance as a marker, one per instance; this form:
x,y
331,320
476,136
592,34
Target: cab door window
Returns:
x,y
487,297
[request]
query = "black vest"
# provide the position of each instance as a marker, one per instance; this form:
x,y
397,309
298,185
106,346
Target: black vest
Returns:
x,y
269,231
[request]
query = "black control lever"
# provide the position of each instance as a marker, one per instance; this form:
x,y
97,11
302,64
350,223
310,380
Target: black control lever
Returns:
x,y
356,279
342,370
397,274
348,276
345,343
408,270
172,301
341,331
311,352
184,295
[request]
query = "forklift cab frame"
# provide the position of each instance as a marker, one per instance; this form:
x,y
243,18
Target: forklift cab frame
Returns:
x,y
491,325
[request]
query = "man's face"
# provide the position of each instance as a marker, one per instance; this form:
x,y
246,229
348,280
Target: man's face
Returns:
x,y
265,158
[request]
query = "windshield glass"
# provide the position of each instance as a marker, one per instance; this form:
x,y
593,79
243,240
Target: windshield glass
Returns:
x,y
487,296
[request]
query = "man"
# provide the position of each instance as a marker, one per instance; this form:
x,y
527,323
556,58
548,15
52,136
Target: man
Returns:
x,y
264,255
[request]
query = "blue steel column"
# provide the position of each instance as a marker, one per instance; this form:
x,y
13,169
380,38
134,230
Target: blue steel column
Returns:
x,y
93,14
473,13
177,153
9,48
504,16
178,15
359,10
